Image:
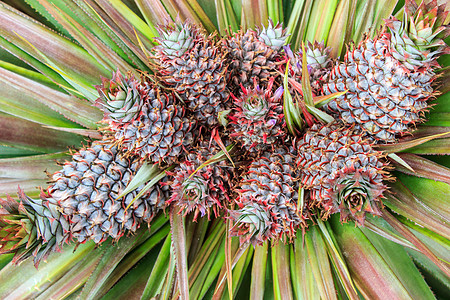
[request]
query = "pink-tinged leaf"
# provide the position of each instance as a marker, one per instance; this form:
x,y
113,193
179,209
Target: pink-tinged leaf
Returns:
x,y
8,186
421,187
397,225
303,281
153,11
257,285
241,251
254,13
410,143
337,260
118,25
34,38
29,135
102,53
282,287
371,273
92,134
423,168
398,260
396,159
179,251
31,167
402,201
15,285
434,147
320,265
74,109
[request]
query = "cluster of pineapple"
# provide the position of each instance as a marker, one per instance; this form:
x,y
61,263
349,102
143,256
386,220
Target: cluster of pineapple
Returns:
x,y
212,116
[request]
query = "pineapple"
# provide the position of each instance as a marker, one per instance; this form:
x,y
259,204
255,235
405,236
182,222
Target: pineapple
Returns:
x,y
254,54
200,190
257,119
389,79
159,131
87,190
194,66
268,199
82,203
342,171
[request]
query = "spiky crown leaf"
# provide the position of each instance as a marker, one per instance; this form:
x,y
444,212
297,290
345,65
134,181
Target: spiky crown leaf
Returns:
x,y
33,227
418,39
176,38
273,36
121,98
342,171
257,120
199,186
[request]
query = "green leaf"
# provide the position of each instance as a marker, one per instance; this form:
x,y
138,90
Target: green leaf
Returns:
x,y
371,272
320,265
179,251
31,136
410,144
159,270
402,266
407,205
422,167
257,285
34,107
254,13
66,56
145,173
17,286
30,167
281,273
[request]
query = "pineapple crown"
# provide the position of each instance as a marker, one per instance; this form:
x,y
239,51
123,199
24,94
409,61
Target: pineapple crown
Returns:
x,y
176,38
251,223
121,98
258,119
199,185
418,39
31,227
317,57
273,36
355,193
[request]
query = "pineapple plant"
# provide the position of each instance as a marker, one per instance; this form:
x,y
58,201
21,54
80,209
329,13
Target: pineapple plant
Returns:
x,y
243,200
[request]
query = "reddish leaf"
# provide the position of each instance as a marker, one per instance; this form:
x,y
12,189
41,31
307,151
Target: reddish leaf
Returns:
x,y
423,168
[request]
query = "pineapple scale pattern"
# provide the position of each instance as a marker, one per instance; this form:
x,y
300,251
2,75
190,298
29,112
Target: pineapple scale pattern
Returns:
x,y
210,133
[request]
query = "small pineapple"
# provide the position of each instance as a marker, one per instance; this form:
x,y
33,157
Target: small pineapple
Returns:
x,y
257,120
194,66
200,190
318,64
389,79
159,131
87,189
268,199
342,171
254,54
80,204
